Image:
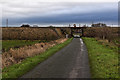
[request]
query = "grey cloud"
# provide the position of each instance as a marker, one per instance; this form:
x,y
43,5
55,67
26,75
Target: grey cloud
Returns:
x,y
33,11
48,9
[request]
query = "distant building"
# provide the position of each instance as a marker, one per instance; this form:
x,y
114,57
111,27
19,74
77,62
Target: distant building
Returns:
x,y
74,25
25,25
99,25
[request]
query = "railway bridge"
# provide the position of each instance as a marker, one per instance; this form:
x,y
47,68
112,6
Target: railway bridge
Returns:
x,y
77,31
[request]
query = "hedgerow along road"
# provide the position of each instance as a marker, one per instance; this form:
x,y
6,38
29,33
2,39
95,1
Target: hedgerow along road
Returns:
x,y
69,62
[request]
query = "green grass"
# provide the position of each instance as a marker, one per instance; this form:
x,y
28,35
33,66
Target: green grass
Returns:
x,y
103,60
117,41
7,44
109,45
18,70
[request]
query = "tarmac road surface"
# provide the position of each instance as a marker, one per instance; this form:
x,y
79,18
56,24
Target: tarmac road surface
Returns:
x,y
69,62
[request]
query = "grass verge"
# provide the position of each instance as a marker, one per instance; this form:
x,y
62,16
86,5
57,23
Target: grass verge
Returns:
x,y
111,45
18,70
103,60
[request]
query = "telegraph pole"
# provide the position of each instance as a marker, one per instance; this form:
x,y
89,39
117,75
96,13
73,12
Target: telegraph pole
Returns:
x,y
112,25
6,22
69,25
79,25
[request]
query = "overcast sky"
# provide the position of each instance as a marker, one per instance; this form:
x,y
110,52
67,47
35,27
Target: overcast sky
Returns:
x,y
55,12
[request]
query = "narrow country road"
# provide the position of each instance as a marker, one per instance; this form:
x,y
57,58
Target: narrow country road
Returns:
x,y
69,62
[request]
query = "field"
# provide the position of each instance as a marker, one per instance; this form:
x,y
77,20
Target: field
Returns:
x,y
103,59
7,44
13,33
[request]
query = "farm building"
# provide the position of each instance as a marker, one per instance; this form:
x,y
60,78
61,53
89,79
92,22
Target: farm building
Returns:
x,y
99,25
27,25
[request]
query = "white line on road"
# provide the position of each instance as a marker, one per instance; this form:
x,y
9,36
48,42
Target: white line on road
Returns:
x,y
81,41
